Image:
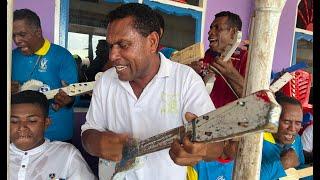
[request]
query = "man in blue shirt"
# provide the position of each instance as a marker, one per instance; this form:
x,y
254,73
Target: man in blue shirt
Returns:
x,y
36,58
283,150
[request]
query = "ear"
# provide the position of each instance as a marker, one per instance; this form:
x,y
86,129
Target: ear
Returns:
x,y
47,122
39,32
234,32
154,41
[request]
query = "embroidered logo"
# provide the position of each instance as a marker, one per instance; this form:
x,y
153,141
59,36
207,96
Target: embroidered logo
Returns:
x,y
220,178
171,103
43,65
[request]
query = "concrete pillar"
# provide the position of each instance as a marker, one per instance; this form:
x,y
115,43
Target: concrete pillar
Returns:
x,y
261,50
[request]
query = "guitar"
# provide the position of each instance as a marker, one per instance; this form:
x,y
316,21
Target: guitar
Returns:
x,y
255,113
189,54
71,90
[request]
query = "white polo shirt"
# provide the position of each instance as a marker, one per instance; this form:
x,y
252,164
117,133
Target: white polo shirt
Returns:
x,y
307,138
51,159
175,90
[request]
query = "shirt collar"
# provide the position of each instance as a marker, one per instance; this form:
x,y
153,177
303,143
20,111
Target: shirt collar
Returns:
x,y
269,137
165,66
36,150
44,49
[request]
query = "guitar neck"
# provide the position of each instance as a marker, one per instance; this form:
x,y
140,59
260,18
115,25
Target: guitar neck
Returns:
x,y
72,90
153,144
50,94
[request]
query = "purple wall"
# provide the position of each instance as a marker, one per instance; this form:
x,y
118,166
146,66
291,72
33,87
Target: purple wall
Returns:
x,y
245,8
285,40
45,10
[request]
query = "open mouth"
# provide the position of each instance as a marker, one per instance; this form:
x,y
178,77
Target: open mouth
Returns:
x,y
120,68
213,41
289,137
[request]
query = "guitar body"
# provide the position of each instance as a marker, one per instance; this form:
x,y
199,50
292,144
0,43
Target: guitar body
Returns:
x,y
117,171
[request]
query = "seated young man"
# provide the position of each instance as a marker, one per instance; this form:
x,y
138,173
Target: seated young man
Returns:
x,y
31,155
283,150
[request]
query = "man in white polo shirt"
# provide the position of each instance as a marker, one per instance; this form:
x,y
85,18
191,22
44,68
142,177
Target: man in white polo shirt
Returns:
x,y
31,155
144,94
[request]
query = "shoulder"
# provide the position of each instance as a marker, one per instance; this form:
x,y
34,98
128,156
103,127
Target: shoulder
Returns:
x,y
16,52
62,147
59,49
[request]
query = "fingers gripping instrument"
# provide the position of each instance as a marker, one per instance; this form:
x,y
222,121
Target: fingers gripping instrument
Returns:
x,y
254,113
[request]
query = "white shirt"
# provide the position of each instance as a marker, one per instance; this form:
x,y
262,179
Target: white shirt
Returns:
x,y
56,158
307,138
175,90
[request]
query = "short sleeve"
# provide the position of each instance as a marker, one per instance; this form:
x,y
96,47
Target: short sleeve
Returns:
x,y
79,169
307,139
271,169
94,117
196,97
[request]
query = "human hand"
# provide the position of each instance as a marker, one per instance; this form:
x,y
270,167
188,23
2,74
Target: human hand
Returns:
x,y
226,68
289,159
230,148
61,99
187,153
111,145
197,66
15,86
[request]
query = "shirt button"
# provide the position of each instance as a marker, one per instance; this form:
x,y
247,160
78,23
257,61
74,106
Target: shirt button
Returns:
x,y
25,153
23,166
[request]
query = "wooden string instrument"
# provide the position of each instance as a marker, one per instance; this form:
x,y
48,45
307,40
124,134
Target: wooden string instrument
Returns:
x,y
254,113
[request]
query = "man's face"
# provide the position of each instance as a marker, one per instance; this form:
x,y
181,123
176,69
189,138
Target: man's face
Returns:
x,y
289,123
27,126
26,37
129,52
220,34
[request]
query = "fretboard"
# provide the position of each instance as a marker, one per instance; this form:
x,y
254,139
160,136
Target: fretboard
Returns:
x,y
153,144
50,94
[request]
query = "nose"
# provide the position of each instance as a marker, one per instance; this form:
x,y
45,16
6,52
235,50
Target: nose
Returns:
x,y
17,39
294,127
114,53
22,124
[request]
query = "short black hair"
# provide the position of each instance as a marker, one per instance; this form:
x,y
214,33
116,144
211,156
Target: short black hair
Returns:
x,y
284,99
160,19
145,19
234,20
26,14
31,97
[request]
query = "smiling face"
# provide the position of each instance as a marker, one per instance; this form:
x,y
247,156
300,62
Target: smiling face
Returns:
x,y
289,123
27,37
130,52
27,126
220,34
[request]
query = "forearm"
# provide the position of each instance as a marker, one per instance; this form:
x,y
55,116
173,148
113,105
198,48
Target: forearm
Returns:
x,y
91,141
237,82
214,151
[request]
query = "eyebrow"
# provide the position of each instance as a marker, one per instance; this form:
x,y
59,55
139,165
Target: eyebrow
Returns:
x,y
32,115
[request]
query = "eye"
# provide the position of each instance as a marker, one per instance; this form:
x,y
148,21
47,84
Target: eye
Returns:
x,y
123,45
286,122
298,123
33,119
14,120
